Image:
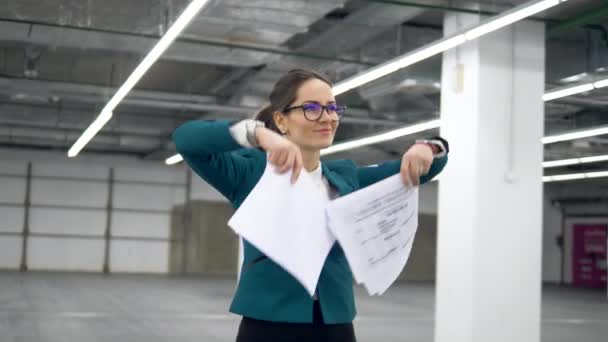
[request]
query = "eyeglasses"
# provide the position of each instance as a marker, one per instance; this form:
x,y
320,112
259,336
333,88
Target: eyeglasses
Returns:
x,y
313,111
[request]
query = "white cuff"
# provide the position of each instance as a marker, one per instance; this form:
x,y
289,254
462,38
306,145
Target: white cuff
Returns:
x,y
442,149
239,133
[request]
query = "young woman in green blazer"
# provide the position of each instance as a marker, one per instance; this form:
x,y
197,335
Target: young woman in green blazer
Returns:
x,y
299,122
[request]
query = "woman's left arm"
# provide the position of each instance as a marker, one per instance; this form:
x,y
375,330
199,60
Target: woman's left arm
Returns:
x,y
419,164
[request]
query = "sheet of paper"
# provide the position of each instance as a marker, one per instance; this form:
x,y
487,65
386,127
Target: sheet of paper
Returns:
x,y
287,223
376,227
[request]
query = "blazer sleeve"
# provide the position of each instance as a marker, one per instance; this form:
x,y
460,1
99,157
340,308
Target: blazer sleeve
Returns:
x,y
208,148
371,174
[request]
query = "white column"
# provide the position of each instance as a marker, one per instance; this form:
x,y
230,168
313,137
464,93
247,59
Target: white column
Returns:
x,y
490,194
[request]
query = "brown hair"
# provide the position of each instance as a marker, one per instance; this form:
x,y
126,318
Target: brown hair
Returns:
x,y
284,93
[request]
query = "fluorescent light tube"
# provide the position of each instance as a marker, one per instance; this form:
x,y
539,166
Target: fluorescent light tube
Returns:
x,y
174,159
374,139
575,161
184,19
552,95
601,84
587,175
89,133
598,174
509,18
575,135
397,63
442,45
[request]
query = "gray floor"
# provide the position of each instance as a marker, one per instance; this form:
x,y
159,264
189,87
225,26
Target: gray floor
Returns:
x,y
37,307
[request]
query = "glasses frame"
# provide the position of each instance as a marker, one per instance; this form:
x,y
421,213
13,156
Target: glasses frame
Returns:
x,y
323,108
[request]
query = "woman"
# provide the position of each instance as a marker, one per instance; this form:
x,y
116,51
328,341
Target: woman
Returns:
x,y
300,120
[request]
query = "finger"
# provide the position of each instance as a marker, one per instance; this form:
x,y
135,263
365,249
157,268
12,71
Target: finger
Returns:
x,y
427,168
415,173
405,172
289,162
297,167
282,158
273,158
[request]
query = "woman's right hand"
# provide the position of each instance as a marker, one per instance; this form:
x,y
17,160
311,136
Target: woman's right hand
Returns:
x,y
283,154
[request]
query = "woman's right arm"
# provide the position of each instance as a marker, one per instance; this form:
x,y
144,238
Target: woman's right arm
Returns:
x,y
207,147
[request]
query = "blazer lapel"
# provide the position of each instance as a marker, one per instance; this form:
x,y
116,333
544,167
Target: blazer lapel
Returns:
x,y
335,180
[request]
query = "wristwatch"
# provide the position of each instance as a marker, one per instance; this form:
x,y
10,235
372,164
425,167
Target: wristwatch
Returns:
x,y
435,142
251,125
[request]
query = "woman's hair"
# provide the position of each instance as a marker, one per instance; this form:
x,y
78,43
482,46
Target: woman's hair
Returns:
x,y
284,93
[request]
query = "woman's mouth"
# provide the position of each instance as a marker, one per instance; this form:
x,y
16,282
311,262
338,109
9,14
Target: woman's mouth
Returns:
x,y
325,131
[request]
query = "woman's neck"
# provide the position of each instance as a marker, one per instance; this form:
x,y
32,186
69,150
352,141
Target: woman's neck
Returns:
x,y
311,159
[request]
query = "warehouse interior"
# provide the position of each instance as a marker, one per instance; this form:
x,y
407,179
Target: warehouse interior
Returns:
x,y
115,244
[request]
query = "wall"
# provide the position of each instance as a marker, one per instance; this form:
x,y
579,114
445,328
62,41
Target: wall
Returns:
x,y
211,246
69,204
567,203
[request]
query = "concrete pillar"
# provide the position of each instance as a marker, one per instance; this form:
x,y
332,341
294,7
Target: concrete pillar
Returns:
x,y
490,195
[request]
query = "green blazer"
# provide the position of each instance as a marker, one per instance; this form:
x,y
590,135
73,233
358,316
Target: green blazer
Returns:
x,y
266,291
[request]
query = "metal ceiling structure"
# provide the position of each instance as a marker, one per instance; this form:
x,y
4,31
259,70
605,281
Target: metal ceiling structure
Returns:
x,y
61,61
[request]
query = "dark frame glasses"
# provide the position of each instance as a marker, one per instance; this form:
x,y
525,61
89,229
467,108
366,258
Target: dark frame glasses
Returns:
x,y
314,111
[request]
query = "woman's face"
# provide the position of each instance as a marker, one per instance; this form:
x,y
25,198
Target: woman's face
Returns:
x,y
307,134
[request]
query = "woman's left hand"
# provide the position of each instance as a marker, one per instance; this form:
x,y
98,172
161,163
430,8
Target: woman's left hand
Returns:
x,y
416,162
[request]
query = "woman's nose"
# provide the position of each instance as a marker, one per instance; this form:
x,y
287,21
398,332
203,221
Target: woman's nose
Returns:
x,y
327,115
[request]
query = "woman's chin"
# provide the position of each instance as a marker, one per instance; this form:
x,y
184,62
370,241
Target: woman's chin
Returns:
x,y
326,144
319,144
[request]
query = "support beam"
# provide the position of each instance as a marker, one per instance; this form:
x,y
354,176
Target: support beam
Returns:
x,y
490,195
26,219
108,231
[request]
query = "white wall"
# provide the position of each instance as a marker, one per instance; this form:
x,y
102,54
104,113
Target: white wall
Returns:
x,y
12,197
201,190
68,213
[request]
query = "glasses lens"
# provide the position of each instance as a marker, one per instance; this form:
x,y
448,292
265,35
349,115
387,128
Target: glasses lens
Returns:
x,y
340,110
312,111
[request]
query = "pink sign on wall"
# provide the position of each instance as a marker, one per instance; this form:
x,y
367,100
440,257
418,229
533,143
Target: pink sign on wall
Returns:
x,y
589,255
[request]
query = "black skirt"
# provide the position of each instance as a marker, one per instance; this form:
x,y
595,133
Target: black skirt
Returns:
x,y
253,330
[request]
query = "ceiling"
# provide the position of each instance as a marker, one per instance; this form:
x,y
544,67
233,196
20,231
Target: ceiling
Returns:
x,y
61,61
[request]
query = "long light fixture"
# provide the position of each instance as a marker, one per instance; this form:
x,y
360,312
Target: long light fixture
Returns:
x,y
490,25
601,84
374,139
575,161
398,63
106,114
577,89
174,159
575,135
511,17
573,176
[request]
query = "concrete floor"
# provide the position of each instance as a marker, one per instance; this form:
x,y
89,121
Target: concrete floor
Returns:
x,y
48,307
